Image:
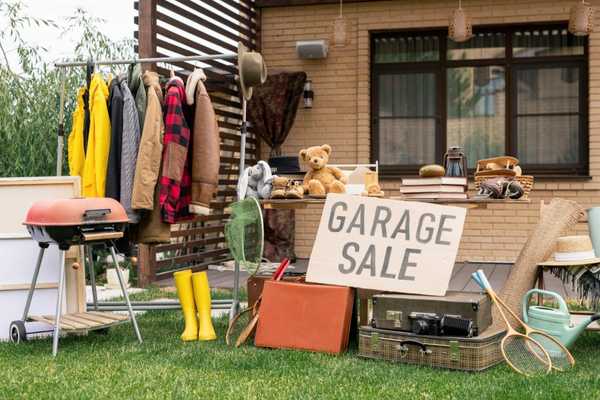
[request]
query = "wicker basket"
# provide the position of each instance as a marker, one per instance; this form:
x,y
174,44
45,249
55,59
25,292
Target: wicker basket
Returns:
x,y
466,354
526,182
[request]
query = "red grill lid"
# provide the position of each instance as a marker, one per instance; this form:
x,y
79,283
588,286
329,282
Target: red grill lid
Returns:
x,y
78,211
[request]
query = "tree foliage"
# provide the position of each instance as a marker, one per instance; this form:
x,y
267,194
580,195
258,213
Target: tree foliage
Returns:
x,y
30,89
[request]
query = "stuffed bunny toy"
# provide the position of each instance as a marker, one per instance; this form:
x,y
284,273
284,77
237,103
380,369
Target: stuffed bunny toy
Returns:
x,y
256,182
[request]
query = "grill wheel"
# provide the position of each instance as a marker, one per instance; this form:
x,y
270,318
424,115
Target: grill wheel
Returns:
x,y
17,331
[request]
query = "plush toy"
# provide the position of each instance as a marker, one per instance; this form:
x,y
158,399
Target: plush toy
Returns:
x,y
256,181
321,179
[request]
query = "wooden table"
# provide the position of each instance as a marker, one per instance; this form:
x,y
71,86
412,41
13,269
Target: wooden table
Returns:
x,y
364,294
296,204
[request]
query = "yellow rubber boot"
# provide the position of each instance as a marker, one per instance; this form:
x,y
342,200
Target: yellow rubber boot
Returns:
x,y
202,296
183,283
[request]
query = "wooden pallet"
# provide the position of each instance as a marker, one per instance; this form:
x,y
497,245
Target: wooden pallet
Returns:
x,y
87,321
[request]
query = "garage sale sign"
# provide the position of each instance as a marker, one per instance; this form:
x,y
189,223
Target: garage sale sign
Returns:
x,y
388,245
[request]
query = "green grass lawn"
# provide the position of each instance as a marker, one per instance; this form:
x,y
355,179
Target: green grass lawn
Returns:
x,y
115,366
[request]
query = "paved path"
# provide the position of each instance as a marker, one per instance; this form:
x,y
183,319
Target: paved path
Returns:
x,y
461,277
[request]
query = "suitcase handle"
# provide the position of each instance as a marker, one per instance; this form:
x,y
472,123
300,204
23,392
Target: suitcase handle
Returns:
x,y
403,347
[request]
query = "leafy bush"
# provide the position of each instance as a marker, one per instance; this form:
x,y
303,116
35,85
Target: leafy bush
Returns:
x,y
30,91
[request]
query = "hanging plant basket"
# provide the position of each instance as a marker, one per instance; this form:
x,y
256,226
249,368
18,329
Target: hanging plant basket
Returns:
x,y
460,28
581,21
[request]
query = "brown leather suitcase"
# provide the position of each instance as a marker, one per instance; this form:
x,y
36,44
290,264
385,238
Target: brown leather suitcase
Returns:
x,y
255,284
304,316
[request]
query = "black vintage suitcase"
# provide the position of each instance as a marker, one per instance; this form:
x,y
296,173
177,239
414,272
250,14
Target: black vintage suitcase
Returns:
x,y
466,354
393,311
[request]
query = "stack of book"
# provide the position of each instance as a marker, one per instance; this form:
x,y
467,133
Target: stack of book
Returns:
x,y
443,188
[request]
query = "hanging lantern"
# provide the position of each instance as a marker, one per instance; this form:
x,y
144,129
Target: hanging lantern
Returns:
x,y
460,28
581,22
340,30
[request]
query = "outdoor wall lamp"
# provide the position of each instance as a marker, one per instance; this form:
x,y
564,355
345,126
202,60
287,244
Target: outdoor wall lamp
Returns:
x,y
308,94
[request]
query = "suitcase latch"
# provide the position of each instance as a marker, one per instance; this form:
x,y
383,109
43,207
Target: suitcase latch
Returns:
x,y
454,350
395,317
374,341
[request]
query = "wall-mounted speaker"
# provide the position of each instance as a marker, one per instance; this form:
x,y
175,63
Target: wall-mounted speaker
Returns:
x,y
312,49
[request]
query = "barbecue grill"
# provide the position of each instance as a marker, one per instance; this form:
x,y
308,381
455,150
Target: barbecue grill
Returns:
x,y
68,222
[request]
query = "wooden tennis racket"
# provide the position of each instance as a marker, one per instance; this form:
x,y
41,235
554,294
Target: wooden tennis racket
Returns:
x,y
243,324
561,357
522,353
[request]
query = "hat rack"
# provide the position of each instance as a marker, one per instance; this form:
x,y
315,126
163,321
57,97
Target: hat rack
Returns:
x,y
164,305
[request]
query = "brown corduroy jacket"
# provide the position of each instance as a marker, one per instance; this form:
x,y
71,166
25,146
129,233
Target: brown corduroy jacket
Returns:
x,y
205,147
151,228
151,144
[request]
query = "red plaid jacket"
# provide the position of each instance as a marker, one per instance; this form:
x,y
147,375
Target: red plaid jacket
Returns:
x,y
175,179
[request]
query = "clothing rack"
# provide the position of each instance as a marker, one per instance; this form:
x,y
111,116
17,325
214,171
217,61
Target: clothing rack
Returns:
x,y
112,306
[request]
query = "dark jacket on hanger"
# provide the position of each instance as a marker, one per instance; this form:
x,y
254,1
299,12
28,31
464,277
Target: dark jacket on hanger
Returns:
x,y
175,179
115,111
136,86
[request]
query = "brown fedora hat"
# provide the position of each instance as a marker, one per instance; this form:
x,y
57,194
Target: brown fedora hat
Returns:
x,y
252,70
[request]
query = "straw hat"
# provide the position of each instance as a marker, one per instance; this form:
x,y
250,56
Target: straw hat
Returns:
x,y
573,250
252,70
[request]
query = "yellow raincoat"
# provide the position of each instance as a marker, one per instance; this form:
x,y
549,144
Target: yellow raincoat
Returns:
x,y
75,143
96,160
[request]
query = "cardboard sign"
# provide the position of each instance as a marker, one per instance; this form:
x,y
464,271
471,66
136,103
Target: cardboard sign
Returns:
x,y
388,245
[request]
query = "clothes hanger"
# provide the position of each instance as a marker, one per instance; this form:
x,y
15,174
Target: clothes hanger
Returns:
x,y
89,71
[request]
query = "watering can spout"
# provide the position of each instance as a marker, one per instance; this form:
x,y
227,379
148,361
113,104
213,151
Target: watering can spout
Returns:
x,y
575,330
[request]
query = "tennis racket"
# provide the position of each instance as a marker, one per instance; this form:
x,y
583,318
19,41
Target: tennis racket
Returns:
x,y
522,353
560,356
243,324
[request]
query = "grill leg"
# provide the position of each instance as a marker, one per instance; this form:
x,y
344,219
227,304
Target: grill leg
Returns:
x,y
38,265
124,289
88,252
61,289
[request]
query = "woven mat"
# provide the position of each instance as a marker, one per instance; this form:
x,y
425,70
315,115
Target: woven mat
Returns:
x,y
557,217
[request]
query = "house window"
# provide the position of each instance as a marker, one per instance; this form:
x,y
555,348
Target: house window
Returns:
x,y
511,90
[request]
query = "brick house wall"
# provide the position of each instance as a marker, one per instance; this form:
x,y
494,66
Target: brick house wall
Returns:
x,y
340,115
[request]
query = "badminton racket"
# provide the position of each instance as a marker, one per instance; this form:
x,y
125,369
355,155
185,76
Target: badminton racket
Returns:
x,y
244,323
560,356
522,353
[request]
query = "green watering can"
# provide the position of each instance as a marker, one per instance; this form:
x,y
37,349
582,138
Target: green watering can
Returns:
x,y
554,321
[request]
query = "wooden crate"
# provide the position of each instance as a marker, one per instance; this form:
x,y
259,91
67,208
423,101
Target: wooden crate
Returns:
x,y
19,252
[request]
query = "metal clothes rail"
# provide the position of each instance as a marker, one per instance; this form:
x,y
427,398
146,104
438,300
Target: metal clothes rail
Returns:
x,y
151,60
233,304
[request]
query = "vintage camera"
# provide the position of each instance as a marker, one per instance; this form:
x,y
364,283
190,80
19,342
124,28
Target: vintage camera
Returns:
x,y
455,325
425,323
440,325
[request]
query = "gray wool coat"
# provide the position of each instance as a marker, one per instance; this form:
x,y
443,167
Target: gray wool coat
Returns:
x,y
129,149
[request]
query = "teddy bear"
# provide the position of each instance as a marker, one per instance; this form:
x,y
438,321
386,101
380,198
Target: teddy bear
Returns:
x,y
321,179
256,181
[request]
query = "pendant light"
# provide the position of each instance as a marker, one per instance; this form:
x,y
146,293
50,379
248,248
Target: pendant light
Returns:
x,y
460,28
340,29
581,22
